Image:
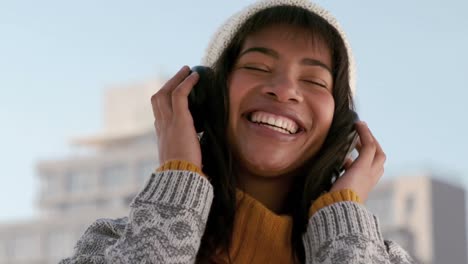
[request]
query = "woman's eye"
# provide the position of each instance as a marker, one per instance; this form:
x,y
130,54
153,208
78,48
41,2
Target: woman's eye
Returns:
x,y
316,83
256,68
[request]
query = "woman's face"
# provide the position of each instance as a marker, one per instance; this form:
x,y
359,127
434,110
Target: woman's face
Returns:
x,y
281,103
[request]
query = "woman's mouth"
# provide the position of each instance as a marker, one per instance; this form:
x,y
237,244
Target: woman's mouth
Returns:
x,y
274,122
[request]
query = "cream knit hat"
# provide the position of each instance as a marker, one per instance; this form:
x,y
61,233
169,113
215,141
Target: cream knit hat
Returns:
x,y
226,32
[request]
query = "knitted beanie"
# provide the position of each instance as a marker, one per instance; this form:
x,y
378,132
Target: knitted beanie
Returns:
x,y
226,32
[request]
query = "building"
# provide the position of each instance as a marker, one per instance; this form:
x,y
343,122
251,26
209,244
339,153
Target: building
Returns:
x,y
425,215
100,183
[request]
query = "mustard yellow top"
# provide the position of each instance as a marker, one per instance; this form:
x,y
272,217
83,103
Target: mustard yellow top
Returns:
x,y
260,235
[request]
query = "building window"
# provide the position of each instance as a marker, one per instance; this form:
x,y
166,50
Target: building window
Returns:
x,y
114,176
78,181
3,251
77,206
29,243
60,244
409,204
110,204
144,170
380,203
49,184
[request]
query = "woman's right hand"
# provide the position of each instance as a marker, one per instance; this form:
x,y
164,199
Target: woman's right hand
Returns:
x,y
177,138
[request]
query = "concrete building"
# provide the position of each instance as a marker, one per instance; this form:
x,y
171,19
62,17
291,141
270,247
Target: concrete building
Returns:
x,y
425,215
101,183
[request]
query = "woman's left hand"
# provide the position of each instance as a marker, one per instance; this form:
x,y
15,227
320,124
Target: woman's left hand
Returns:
x,y
362,175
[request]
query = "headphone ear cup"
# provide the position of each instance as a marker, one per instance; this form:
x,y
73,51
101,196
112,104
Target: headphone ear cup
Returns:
x,y
198,97
355,116
352,140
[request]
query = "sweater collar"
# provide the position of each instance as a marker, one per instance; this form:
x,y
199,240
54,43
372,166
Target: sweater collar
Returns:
x,y
259,235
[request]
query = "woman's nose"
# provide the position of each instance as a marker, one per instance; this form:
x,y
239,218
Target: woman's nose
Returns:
x,y
283,89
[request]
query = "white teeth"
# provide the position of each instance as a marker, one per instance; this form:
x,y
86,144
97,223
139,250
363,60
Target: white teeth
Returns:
x,y
271,120
291,128
277,123
276,129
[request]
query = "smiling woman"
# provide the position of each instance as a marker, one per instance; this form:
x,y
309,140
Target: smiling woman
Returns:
x,y
258,186
271,82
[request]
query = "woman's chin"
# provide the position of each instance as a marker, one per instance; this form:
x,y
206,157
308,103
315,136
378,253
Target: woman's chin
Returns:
x,y
269,167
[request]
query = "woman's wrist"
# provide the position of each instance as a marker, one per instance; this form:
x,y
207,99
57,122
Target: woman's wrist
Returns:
x,y
180,165
329,198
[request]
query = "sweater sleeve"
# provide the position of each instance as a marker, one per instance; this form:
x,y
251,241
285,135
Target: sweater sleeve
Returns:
x,y
346,232
166,222
329,198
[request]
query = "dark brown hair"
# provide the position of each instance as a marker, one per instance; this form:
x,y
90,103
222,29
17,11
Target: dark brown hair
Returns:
x,y
315,175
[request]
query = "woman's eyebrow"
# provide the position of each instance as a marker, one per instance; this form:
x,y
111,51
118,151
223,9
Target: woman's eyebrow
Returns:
x,y
314,62
275,55
266,51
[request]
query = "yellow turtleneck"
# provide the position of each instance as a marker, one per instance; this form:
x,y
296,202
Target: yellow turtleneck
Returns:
x,y
260,235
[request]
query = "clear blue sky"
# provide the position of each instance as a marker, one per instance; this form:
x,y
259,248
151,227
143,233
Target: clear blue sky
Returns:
x,y
57,57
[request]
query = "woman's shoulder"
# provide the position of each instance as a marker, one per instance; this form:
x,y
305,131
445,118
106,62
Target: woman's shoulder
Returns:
x,y
101,234
107,226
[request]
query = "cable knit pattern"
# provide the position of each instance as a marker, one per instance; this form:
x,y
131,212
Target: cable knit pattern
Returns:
x,y
226,32
167,220
346,232
168,217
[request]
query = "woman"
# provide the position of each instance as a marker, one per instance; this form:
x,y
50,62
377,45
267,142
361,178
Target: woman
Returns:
x,y
259,186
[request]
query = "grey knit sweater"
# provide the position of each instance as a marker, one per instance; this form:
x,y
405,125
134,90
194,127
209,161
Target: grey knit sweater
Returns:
x,y
168,217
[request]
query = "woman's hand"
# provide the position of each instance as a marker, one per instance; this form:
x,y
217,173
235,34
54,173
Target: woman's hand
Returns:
x,y
177,138
362,175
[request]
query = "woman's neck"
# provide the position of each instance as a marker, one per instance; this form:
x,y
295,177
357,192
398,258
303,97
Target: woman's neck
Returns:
x,y
270,191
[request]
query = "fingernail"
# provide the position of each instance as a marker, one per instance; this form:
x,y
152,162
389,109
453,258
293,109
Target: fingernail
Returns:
x,y
194,73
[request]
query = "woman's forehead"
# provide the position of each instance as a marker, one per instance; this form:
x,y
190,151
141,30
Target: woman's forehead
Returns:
x,y
290,33
285,39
